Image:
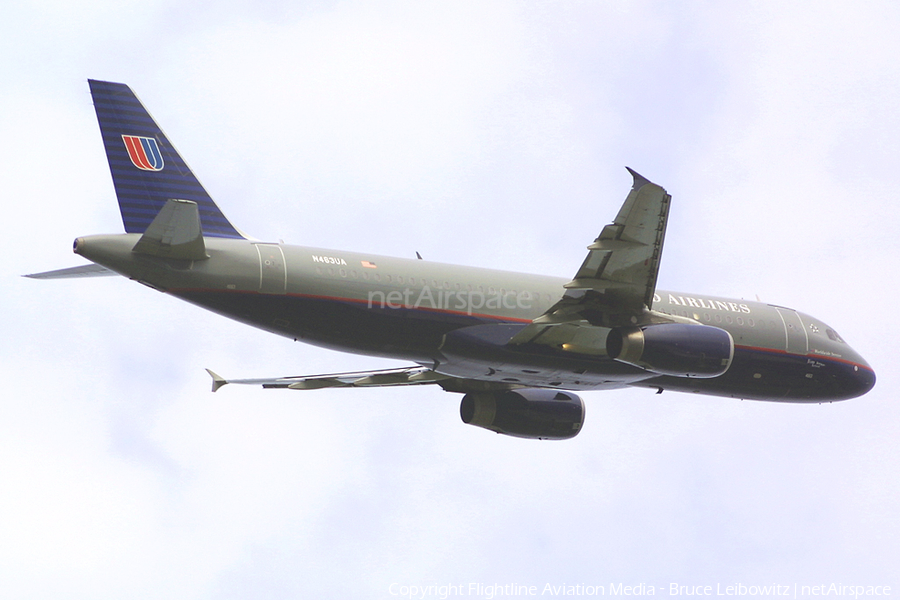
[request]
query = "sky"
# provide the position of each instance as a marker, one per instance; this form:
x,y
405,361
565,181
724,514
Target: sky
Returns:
x,y
480,133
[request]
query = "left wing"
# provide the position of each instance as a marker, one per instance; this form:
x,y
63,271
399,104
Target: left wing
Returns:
x,y
623,261
617,280
384,377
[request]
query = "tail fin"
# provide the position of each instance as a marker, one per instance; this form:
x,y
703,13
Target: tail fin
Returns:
x,y
146,169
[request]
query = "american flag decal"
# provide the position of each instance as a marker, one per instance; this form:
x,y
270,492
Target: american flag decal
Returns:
x,y
143,152
368,265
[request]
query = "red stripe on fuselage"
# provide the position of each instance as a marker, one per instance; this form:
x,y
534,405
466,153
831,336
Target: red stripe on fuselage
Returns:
x,y
495,318
358,301
816,356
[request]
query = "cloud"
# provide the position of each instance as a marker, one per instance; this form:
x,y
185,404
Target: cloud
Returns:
x,y
482,134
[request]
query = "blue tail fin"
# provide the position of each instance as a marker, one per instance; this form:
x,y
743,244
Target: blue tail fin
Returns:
x,y
146,169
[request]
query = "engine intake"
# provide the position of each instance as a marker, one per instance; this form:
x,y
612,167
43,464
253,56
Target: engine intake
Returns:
x,y
678,349
532,413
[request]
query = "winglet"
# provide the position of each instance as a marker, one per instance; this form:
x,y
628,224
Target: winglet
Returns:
x,y
639,180
217,382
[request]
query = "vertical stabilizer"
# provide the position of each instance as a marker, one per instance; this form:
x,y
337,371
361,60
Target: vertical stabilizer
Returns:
x,y
146,169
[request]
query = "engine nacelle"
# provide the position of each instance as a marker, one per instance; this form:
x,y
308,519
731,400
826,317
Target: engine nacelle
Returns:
x,y
678,349
533,413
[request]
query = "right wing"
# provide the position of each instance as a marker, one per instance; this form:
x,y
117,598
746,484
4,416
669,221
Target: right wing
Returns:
x,y
384,377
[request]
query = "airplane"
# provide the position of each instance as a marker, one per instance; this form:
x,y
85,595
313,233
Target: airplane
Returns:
x,y
516,346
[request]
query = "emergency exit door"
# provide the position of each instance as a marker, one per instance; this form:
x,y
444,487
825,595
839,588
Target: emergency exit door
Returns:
x,y
272,269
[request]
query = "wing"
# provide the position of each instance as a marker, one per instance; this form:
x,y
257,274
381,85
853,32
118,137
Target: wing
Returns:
x,y
385,377
616,283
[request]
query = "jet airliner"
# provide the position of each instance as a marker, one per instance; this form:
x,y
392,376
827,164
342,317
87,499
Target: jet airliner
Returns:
x,y
516,346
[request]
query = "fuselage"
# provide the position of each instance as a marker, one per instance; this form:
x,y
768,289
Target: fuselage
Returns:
x,y
457,319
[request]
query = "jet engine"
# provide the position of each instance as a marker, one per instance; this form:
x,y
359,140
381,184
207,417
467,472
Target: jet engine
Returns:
x,y
678,349
533,413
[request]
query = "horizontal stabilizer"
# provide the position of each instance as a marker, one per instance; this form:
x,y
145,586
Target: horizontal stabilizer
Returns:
x,y
174,233
73,272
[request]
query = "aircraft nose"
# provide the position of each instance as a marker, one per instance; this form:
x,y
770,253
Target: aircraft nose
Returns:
x,y
861,381
845,380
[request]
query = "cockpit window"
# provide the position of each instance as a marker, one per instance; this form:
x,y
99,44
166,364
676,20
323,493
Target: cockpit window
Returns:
x,y
833,335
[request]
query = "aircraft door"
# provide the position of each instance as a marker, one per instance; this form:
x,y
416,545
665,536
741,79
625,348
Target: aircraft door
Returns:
x,y
797,341
272,269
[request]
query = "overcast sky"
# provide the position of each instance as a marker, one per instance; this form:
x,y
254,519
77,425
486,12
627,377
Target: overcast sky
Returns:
x,y
480,133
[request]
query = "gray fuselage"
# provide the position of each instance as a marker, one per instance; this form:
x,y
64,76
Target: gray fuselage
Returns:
x,y
414,310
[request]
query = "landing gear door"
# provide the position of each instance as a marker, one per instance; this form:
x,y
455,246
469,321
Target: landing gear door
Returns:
x,y
795,335
272,269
